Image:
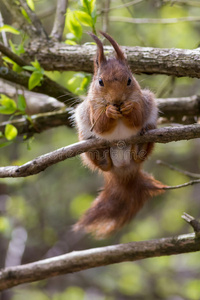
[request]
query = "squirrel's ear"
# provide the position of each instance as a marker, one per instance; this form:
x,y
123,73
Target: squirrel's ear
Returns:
x,y
100,57
119,52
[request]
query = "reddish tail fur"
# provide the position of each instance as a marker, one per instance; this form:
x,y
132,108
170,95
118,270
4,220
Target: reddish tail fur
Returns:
x,y
122,197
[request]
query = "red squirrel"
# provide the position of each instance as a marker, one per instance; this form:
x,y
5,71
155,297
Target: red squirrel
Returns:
x,y
115,109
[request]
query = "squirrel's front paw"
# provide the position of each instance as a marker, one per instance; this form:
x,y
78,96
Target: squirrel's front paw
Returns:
x,y
112,112
127,107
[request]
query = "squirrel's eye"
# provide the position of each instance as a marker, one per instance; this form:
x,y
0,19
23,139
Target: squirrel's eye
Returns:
x,y
101,82
129,81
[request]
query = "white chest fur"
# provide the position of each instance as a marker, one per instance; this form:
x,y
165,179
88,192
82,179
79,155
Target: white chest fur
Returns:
x,y
121,153
121,132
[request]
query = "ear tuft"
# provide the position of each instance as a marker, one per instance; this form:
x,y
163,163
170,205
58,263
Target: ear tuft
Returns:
x,y
100,57
119,52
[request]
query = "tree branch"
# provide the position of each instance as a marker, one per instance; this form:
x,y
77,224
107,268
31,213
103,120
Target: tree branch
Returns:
x,y
193,175
40,122
169,107
86,259
59,22
153,21
39,164
62,57
47,87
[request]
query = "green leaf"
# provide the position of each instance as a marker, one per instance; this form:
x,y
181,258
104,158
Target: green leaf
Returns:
x,y
73,25
8,60
1,134
29,68
8,28
13,47
7,105
16,68
89,5
84,18
21,103
17,49
69,42
35,79
31,4
26,16
10,132
36,64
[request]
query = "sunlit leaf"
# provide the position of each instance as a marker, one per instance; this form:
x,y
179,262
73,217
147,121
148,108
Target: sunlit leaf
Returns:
x,y
73,25
34,80
69,42
8,28
31,4
36,64
7,105
89,5
29,68
26,16
8,60
10,132
84,18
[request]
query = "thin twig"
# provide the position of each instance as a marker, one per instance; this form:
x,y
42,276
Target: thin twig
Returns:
x,y
59,22
192,221
39,164
106,16
3,33
86,259
188,2
106,9
193,175
154,21
34,20
174,187
91,129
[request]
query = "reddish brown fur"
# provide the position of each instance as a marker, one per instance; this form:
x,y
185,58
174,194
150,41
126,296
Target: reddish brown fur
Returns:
x,y
126,188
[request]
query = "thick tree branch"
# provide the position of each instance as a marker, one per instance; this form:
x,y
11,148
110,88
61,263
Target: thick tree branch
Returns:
x,y
86,259
59,22
62,57
39,164
48,86
40,122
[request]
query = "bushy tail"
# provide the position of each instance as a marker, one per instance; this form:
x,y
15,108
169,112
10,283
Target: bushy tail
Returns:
x,y
119,201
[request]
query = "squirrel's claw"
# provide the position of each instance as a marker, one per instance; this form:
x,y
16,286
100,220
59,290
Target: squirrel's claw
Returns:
x,y
112,112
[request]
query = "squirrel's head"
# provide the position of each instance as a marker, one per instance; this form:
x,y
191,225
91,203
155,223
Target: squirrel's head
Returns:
x,y
113,80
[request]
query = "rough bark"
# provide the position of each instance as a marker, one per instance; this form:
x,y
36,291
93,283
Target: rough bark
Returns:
x,y
62,57
86,259
39,164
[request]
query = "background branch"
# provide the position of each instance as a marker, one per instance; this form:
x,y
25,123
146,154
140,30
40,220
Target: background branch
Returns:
x,y
59,22
15,9
86,259
153,21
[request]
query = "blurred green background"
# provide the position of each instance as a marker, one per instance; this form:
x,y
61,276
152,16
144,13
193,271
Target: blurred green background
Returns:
x,y
37,213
